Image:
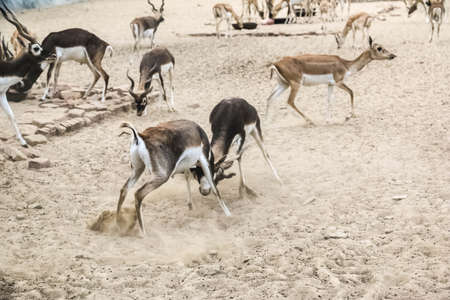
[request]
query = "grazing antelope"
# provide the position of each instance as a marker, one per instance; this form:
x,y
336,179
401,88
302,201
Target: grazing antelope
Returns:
x,y
145,27
154,65
167,149
18,43
13,71
321,69
436,11
411,7
81,46
360,21
232,120
291,16
224,12
250,8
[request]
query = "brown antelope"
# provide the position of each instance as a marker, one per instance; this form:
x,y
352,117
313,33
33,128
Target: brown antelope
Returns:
x,y
154,65
224,12
232,121
436,11
81,46
321,69
250,8
170,148
146,27
358,22
13,71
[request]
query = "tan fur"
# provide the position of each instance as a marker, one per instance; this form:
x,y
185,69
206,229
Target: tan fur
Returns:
x,y
435,14
358,22
19,43
220,12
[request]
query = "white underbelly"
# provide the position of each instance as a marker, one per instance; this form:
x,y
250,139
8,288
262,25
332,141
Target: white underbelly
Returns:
x,y
164,69
6,82
77,54
188,159
308,79
148,33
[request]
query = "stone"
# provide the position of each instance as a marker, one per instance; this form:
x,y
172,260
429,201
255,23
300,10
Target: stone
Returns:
x,y
334,233
41,122
20,217
28,129
31,153
3,136
39,163
49,105
60,129
35,139
87,121
13,153
96,116
101,107
399,197
87,107
36,206
69,94
76,113
73,124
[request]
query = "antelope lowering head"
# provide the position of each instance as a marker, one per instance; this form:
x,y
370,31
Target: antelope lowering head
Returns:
x,y
140,99
378,52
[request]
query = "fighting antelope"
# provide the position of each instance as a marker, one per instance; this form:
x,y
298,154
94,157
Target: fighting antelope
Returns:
x,y
145,27
154,65
221,12
18,43
78,45
232,121
250,8
167,149
321,69
436,11
13,71
361,21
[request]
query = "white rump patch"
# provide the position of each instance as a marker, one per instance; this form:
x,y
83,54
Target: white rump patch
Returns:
x,y
139,154
78,54
308,79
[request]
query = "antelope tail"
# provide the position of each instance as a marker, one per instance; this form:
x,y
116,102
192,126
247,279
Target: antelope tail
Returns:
x,y
133,129
110,50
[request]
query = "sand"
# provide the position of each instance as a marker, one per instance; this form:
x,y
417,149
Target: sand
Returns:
x,y
336,229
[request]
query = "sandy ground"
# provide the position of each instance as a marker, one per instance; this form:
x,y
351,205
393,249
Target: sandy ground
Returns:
x,y
339,178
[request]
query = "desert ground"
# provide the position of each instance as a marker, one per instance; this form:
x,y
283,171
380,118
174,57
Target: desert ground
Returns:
x,y
363,212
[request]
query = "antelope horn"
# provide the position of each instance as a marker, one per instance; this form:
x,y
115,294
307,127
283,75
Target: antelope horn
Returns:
x,y
151,4
130,90
20,28
161,8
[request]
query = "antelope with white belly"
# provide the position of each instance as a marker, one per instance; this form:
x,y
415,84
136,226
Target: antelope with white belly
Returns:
x,y
145,27
307,70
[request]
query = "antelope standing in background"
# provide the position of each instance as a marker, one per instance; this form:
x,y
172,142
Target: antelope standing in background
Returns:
x,y
436,11
145,27
321,69
358,22
170,148
232,121
224,12
13,71
81,46
250,8
154,65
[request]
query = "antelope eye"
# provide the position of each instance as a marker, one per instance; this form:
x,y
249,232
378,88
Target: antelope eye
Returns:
x,y
379,49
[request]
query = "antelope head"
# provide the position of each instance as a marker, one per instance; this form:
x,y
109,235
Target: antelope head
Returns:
x,y
378,52
140,99
158,13
218,171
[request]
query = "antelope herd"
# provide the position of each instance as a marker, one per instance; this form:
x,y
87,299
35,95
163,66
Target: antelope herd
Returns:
x,y
182,146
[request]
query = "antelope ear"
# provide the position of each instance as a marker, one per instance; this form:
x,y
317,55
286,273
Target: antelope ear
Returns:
x,y
370,41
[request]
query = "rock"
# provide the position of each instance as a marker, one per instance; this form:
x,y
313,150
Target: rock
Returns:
x,y
194,106
87,121
13,154
334,233
20,217
73,124
87,107
119,107
30,153
35,139
2,158
41,122
3,136
69,94
49,105
101,107
76,113
399,197
97,116
35,206
39,163
60,129
28,129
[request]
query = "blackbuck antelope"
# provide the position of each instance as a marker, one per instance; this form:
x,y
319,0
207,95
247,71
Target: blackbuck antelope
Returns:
x,y
358,22
436,11
153,66
321,69
251,8
78,45
291,16
232,121
224,12
13,71
145,27
167,149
